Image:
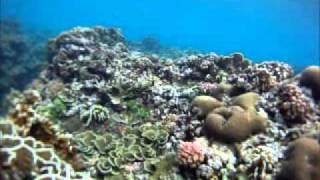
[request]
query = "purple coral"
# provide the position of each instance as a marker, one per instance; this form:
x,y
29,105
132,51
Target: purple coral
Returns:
x,y
207,88
294,106
191,154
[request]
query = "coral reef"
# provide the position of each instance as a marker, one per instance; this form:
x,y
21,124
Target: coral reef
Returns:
x,y
103,109
261,77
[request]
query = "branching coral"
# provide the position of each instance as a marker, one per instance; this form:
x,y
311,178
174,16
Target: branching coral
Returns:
x,y
294,106
191,154
261,77
95,113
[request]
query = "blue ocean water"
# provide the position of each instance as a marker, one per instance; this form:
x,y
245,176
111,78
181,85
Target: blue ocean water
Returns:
x,y
286,30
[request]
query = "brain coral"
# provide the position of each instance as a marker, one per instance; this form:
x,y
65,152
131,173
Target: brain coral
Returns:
x,y
204,104
233,123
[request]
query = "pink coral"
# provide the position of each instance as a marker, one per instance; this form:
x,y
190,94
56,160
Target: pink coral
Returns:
x,y
191,154
207,87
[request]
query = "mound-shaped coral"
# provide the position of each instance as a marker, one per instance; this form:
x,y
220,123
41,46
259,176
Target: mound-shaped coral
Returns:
x,y
310,78
303,161
233,123
205,104
138,109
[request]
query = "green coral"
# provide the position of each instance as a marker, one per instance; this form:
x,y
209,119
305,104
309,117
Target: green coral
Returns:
x,y
139,144
137,111
162,168
53,110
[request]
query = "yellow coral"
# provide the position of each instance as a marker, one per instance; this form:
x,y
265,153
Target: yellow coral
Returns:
x,y
205,104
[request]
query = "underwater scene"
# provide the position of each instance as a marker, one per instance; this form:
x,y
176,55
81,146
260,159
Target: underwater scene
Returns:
x,y
159,90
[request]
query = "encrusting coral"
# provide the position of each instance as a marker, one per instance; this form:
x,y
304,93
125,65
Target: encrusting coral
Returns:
x,y
30,123
28,157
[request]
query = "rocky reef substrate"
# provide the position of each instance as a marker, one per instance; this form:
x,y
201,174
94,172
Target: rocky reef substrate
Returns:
x,y
102,111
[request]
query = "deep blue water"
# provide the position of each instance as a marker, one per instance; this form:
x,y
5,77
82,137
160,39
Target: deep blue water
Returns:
x,y
286,30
